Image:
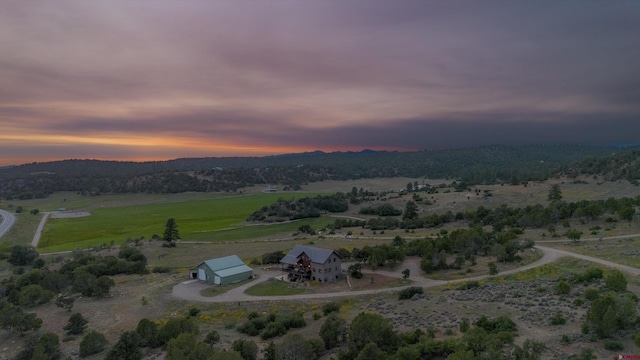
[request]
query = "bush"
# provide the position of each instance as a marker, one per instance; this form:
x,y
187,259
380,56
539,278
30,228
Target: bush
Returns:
x,y
333,331
562,288
76,324
249,328
247,349
616,281
578,302
558,319
613,346
92,343
272,330
591,294
469,285
330,307
409,292
588,276
174,327
212,337
294,322
161,269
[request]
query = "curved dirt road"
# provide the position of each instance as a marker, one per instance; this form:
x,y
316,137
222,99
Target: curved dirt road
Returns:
x,y
8,219
190,290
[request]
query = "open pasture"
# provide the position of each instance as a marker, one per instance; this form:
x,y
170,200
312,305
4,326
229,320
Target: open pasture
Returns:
x,y
197,220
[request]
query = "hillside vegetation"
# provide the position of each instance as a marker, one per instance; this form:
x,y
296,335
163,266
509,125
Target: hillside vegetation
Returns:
x,y
480,165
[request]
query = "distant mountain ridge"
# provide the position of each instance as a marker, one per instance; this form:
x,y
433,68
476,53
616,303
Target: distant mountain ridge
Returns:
x,y
477,165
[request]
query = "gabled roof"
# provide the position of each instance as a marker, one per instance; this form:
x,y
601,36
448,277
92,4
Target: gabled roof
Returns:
x,y
224,263
317,255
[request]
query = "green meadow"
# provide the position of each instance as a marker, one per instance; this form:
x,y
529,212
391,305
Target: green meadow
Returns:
x,y
198,220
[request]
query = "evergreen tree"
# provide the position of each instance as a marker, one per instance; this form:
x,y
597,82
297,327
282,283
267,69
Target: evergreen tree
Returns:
x,y
410,210
126,348
92,343
77,324
171,233
555,194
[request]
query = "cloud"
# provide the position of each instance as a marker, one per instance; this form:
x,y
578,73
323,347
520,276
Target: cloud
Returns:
x,y
227,77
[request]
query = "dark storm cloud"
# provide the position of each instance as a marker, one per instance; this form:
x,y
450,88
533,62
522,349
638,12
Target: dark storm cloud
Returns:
x,y
276,75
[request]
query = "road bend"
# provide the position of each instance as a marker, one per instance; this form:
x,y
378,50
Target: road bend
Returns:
x,y
8,219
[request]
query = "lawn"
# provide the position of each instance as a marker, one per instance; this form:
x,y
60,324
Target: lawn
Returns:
x,y
274,288
197,220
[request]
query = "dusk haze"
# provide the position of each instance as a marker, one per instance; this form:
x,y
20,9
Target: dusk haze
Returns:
x,y
156,80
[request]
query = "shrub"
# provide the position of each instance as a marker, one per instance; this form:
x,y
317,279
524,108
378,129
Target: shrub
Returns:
x,y
355,271
272,330
294,321
464,325
636,339
147,331
409,292
76,324
562,288
161,269
247,348
591,294
469,285
212,337
578,302
558,319
174,327
333,306
587,276
92,343
249,328
500,324
333,331
616,281
613,346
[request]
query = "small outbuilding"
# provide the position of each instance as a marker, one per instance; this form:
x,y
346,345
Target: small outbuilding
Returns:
x,y
222,271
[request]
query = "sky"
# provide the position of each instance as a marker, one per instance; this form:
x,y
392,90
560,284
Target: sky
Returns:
x,y
163,79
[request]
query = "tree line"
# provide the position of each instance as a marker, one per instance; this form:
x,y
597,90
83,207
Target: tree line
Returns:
x,y
480,165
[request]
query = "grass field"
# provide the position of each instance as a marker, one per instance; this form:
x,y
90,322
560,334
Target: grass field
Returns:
x,y
621,251
198,220
21,233
274,288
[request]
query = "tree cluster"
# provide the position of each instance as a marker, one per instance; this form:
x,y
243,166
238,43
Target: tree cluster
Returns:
x,y
307,207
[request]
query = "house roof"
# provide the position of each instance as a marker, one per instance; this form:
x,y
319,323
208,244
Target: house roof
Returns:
x,y
223,263
317,255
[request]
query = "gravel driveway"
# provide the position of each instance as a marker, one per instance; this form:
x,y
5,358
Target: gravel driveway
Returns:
x,y
190,290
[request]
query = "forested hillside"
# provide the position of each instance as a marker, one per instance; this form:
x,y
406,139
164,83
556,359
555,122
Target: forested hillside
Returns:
x,y
480,165
621,166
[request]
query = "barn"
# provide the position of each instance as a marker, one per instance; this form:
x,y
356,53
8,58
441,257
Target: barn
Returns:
x,y
222,271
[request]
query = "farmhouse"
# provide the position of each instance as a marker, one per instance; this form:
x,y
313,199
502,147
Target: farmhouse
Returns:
x,y
311,263
222,271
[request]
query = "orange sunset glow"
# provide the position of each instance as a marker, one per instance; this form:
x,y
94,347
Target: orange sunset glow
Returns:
x,y
146,80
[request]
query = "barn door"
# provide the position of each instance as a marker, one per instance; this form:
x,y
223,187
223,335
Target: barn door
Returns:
x,y
216,280
202,275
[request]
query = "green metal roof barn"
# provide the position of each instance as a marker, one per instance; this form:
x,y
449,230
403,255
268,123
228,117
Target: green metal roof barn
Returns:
x,y
222,271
